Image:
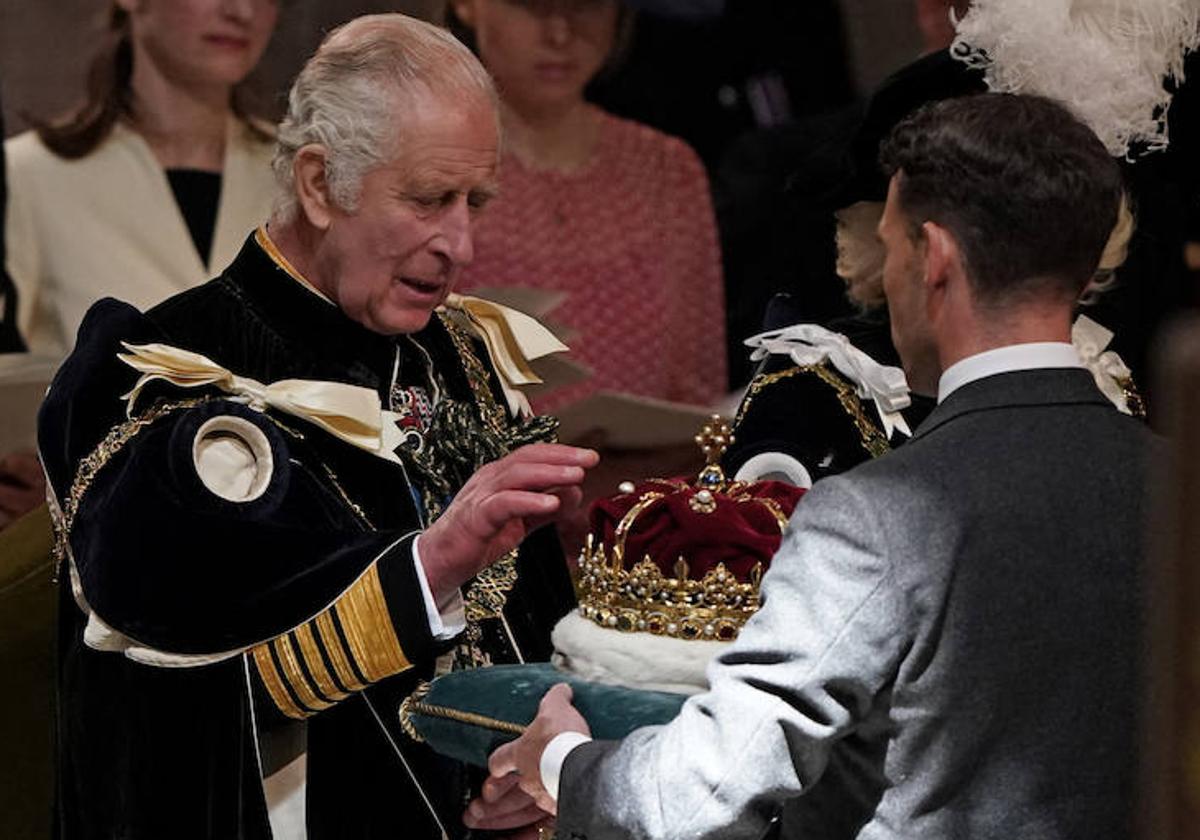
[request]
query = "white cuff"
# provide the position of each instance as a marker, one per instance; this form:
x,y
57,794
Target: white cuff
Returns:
x,y
445,620
550,765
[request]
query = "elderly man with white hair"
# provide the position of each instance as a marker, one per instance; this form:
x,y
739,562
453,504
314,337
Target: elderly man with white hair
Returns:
x,y
286,496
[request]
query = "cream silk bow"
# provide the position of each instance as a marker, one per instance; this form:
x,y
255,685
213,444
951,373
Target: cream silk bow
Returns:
x,y
513,339
809,344
1108,369
349,412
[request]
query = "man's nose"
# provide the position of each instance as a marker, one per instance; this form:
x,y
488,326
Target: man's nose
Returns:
x,y
457,244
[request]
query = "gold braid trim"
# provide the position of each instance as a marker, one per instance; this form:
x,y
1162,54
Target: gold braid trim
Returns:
x,y
872,439
1134,400
368,628
316,665
274,685
493,414
488,592
293,673
337,654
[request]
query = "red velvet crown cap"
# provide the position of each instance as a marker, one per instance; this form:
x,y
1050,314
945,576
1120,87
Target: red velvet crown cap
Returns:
x,y
743,529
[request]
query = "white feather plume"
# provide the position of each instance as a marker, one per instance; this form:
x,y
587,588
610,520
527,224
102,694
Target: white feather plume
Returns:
x,y
1106,60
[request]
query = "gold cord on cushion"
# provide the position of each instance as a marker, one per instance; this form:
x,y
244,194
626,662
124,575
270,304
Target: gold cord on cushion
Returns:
x,y
415,704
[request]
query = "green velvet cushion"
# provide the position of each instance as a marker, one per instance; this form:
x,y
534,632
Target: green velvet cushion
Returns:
x,y
505,698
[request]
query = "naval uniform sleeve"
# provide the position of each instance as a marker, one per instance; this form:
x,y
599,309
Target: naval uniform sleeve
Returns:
x,y
210,535
803,673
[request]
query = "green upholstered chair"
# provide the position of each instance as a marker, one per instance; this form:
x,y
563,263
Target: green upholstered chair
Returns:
x,y
27,630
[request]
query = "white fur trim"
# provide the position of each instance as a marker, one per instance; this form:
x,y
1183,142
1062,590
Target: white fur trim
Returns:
x,y
233,458
634,660
775,466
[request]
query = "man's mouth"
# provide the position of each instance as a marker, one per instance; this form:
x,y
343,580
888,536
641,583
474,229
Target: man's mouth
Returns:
x,y
424,287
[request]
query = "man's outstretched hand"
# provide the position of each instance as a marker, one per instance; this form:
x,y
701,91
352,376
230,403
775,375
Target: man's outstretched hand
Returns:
x,y
501,503
519,762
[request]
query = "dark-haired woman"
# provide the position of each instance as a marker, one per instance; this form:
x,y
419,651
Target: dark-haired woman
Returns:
x,y
612,212
150,187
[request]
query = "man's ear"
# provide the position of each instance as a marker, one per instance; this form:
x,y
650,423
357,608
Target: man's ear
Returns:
x,y
464,10
943,257
312,187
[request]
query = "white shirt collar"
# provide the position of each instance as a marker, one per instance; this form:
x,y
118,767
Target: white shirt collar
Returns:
x,y
1034,356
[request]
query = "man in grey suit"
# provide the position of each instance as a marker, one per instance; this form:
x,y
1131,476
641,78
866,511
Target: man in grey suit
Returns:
x,y
949,637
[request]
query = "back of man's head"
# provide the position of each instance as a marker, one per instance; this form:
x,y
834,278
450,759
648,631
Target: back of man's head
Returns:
x,y
352,95
1027,190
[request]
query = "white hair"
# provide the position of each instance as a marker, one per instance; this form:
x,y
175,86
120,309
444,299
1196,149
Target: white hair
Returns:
x,y
351,97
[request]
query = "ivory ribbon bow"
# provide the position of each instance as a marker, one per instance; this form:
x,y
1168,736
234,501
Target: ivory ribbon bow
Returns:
x,y
513,339
809,344
1108,369
349,412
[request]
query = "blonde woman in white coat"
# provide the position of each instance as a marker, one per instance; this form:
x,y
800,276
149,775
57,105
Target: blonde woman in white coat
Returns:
x,y
151,186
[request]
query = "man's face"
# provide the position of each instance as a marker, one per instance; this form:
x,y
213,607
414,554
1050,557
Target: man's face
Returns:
x,y
392,261
904,287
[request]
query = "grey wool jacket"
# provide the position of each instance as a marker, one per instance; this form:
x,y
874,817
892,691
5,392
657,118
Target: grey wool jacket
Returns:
x,y
948,647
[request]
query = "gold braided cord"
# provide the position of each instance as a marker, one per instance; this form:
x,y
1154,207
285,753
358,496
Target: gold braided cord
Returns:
x,y
415,704
873,440
294,675
337,653
466,717
368,628
274,685
316,664
116,440
493,414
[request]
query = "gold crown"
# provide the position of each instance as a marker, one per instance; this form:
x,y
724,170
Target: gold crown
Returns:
x,y
645,598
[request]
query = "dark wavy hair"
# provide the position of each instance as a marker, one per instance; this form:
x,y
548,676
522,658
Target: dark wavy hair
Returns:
x,y
110,98
1028,191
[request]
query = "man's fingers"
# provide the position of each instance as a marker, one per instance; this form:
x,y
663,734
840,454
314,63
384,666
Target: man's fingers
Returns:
x,y
531,813
558,696
496,788
504,760
534,476
554,453
501,509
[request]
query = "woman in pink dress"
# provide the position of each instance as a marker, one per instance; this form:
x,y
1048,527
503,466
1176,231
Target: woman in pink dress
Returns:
x,y
614,213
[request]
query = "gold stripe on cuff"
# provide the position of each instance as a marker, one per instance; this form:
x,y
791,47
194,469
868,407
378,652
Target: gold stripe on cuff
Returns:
x,y
316,665
274,685
295,675
337,654
368,627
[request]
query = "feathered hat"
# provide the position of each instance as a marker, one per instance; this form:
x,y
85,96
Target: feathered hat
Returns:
x,y
1107,60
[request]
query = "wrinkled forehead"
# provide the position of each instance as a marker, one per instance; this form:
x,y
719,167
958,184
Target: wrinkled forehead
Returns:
x,y
455,143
